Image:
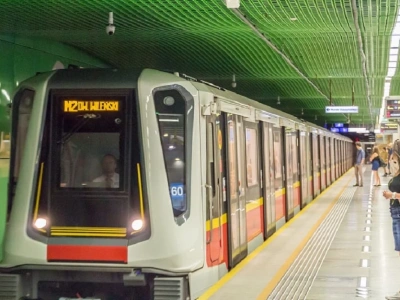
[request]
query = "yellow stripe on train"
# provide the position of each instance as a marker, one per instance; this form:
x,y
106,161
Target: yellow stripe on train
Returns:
x,y
217,222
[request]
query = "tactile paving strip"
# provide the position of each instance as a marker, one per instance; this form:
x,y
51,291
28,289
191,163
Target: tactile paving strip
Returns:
x,y
298,280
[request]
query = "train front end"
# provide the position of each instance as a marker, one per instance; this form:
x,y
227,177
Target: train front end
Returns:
x,y
100,187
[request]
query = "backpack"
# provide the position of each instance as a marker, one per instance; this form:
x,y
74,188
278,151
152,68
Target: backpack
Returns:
x,y
382,162
383,156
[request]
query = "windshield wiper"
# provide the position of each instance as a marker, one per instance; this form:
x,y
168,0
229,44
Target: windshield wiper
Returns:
x,y
84,119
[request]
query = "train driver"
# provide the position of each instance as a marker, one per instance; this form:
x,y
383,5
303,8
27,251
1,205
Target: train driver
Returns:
x,y
110,178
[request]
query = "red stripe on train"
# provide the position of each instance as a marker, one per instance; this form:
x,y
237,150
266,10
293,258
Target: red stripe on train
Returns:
x,y
87,253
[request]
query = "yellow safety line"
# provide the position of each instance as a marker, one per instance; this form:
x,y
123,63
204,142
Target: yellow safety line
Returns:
x,y
140,191
39,190
220,283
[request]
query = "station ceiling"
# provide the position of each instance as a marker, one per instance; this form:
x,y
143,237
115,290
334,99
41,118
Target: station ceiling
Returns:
x,y
309,53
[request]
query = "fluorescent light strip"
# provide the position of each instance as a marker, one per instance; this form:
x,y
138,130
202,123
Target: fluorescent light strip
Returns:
x,y
364,263
365,249
362,282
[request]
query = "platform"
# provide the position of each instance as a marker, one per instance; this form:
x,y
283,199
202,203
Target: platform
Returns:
x,y
339,247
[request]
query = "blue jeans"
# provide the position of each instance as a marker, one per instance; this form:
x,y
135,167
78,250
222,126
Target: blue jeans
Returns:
x,y
395,213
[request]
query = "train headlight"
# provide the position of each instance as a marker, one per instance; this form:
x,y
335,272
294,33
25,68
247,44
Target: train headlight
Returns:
x,y
137,225
40,223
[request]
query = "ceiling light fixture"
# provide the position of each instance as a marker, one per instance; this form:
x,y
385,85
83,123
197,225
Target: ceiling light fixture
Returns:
x,y
232,3
234,84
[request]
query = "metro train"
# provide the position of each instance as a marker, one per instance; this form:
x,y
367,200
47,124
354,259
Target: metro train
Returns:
x,y
147,185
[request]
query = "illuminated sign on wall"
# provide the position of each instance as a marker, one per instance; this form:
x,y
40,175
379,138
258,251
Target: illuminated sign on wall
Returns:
x,y
82,106
341,109
339,130
389,128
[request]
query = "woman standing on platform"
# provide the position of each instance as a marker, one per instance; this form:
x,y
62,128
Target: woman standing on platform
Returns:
x,y
394,195
374,159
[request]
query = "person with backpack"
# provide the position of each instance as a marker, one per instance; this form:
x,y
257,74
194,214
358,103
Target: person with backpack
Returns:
x,y
384,156
376,163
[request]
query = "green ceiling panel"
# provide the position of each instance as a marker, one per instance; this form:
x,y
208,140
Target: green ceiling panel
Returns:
x,y
203,38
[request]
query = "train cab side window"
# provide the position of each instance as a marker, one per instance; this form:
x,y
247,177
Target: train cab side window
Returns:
x,y
174,113
21,111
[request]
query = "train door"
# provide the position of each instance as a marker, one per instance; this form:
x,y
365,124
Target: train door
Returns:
x,y
236,190
341,157
215,186
311,164
303,168
288,171
296,172
323,162
279,171
251,181
328,161
337,159
269,181
316,165
333,159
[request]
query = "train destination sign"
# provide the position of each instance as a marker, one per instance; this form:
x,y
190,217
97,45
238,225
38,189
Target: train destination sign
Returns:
x,y
341,109
82,106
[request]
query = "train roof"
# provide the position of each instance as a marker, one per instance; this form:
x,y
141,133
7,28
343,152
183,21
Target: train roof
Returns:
x,y
128,78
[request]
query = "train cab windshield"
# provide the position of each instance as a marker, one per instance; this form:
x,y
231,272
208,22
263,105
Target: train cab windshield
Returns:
x,y
90,144
89,163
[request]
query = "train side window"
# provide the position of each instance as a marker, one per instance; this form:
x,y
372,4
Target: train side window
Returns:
x,y
251,157
21,112
174,112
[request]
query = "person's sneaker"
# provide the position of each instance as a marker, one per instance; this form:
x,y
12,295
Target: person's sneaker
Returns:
x,y
394,297
385,175
356,184
361,185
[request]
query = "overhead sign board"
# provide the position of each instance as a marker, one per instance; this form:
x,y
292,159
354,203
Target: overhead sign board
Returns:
x,y
341,109
392,108
389,127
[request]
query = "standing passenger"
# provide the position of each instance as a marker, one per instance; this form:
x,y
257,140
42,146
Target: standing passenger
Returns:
x,y
394,195
360,156
374,159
